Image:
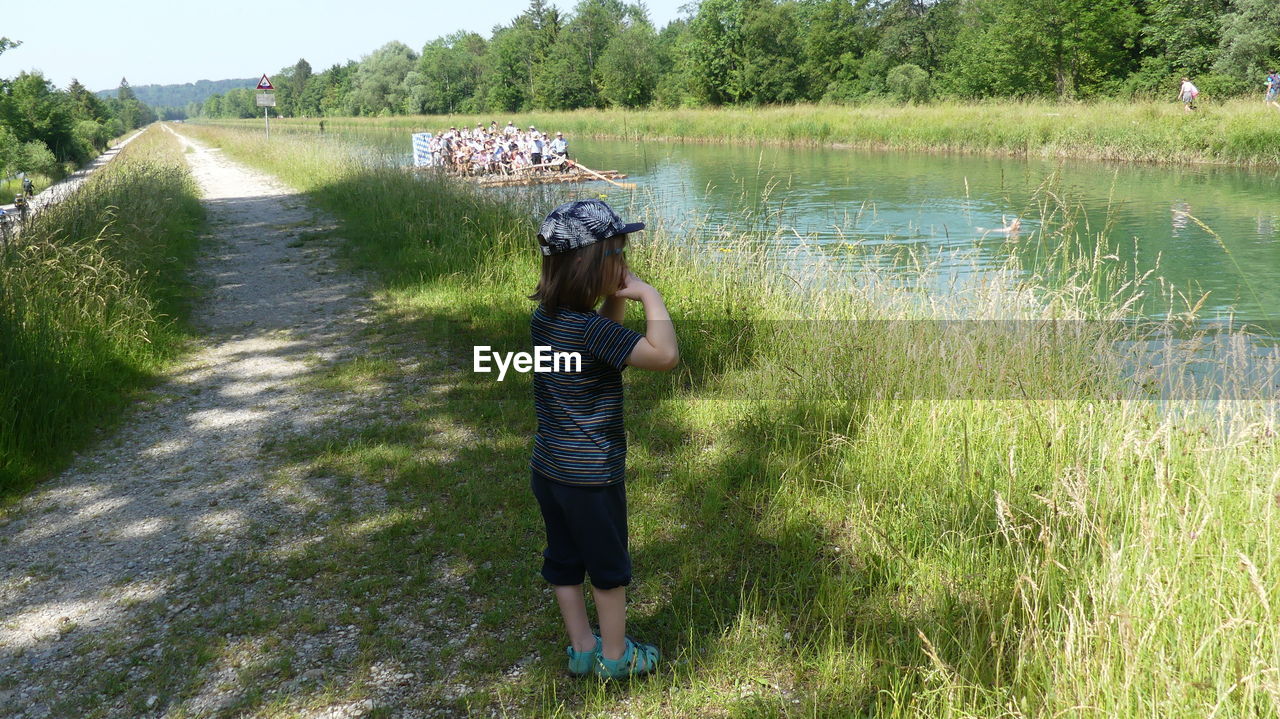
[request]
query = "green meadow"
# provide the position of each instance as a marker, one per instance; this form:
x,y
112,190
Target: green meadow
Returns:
x,y
1240,132
93,292
839,506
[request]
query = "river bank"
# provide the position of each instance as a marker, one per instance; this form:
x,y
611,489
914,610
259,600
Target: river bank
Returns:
x,y
1235,132
828,518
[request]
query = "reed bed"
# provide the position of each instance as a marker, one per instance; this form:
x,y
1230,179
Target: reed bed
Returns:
x,y
1239,132
92,295
841,504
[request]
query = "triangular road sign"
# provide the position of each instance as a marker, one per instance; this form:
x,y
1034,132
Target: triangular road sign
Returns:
x,y
265,84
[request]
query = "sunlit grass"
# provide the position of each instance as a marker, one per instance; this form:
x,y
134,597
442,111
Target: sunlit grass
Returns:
x,y
838,507
91,299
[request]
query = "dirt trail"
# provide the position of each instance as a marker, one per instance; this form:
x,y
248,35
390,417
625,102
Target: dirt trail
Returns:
x,y
113,570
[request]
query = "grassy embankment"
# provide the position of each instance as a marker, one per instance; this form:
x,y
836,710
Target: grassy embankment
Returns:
x,y
828,519
1236,132
91,299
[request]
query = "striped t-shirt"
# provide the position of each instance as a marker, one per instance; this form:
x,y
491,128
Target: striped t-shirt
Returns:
x,y
580,439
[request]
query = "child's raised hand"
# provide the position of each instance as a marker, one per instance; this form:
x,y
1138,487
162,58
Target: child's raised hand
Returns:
x,y
633,288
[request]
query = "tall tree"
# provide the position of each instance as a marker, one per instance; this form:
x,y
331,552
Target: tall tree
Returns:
x,y
301,73
629,67
291,85
1180,37
918,32
745,51
1250,39
85,105
838,33
448,74
378,83
1066,48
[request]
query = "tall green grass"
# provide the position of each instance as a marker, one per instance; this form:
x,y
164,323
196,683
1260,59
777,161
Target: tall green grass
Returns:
x,y
838,508
1235,132
92,296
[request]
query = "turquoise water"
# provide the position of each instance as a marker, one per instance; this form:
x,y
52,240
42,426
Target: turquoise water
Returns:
x,y
1202,229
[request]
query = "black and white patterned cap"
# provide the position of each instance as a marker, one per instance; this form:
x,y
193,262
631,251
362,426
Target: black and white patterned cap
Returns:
x,y
576,224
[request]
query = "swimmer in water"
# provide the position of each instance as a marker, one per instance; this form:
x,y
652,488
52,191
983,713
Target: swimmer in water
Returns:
x,y
1008,228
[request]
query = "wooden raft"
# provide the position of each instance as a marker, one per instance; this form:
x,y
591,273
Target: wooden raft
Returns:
x,y
522,177
529,178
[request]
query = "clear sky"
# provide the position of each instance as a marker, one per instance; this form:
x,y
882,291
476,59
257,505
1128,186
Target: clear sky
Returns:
x,y
169,42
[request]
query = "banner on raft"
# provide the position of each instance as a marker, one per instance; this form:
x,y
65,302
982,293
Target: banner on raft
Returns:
x,y
422,154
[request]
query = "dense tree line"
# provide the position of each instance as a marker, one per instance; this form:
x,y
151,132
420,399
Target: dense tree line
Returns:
x,y
607,53
42,128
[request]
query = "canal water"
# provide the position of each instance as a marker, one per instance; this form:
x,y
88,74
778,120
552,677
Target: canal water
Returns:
x,y
1205,230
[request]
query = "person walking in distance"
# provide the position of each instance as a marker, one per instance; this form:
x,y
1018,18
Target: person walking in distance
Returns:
x,y
579,448
1188,93
1272,97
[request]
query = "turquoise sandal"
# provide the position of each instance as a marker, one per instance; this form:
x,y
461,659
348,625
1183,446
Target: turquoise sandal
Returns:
x,y
638,659
581,663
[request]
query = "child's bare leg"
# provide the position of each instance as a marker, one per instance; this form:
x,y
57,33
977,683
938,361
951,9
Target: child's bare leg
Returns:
x,y
611,609
573,608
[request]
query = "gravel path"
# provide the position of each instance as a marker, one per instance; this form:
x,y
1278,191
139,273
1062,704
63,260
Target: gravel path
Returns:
x,y
109,567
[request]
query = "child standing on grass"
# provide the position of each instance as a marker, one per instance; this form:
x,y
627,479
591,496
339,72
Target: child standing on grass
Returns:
x,y
579,450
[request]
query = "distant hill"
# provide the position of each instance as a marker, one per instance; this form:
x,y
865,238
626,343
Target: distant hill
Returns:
x,y
179,95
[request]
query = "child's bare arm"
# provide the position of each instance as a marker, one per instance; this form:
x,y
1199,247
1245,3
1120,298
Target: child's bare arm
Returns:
x,y
657,350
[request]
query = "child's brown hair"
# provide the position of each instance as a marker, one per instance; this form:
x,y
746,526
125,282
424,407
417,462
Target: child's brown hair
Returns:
x,y
578,279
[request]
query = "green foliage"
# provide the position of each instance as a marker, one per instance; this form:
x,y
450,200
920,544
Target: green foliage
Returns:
x,y
908,83
1028,48
448,74
1216,86
91,135
629,67
43,128
508,77
562,82
378,85
131,111
1181,36
1250,40
917,32
36,158
745,51
10,152
756,52
836,35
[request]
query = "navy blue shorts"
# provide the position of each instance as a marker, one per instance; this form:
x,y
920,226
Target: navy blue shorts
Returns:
x,y
586,533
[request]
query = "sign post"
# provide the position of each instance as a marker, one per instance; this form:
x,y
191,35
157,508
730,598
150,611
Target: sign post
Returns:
x,y
266,100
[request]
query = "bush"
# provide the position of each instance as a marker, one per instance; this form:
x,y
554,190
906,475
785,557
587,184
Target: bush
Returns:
x,y
1221,87
908,83
114,127
91,138
38,159
1150,83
